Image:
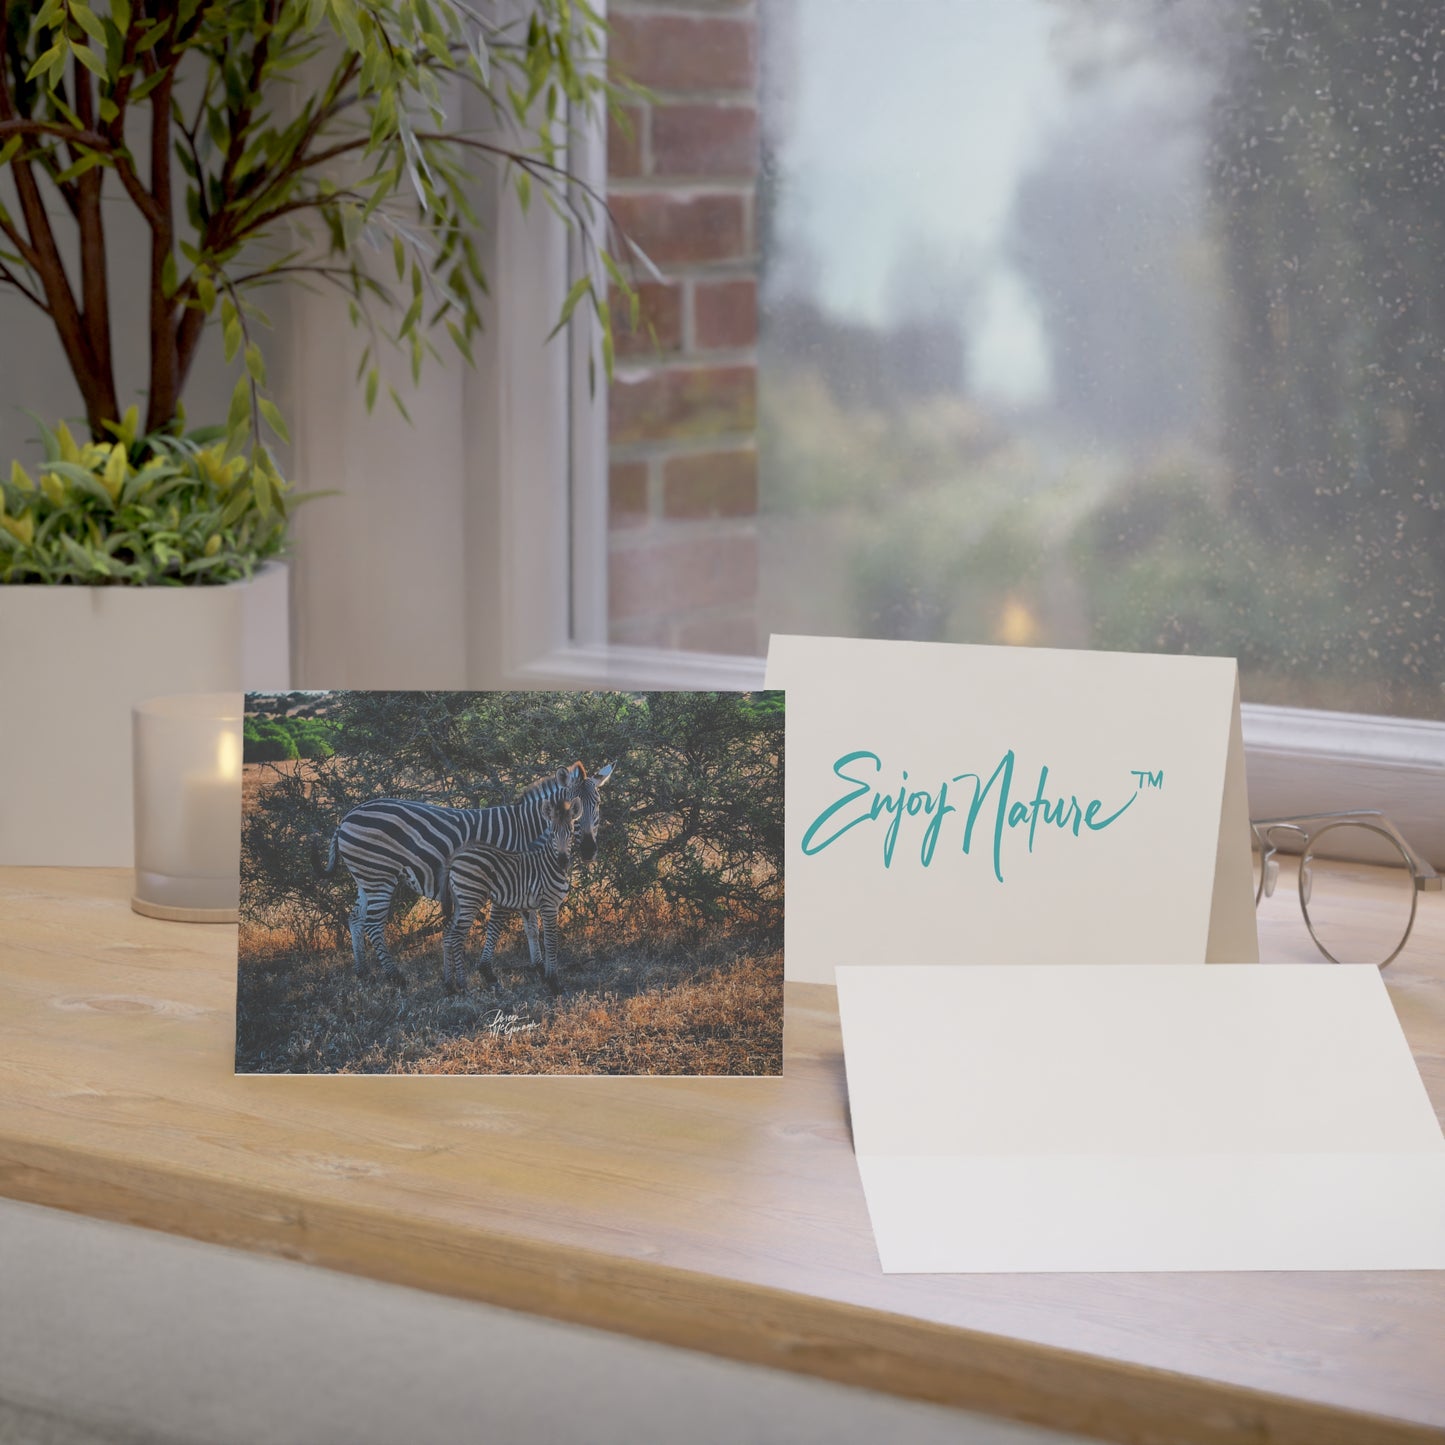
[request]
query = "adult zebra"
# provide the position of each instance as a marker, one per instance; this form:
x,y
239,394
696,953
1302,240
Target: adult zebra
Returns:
x,y
533,882
387,840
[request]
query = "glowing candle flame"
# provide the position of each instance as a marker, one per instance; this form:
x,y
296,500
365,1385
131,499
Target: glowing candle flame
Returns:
x,y
228,754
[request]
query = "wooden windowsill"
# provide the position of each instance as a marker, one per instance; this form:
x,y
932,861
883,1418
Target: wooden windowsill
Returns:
x,y
723,1215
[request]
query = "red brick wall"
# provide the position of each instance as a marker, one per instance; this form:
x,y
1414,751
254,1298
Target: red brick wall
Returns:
x,y
682,409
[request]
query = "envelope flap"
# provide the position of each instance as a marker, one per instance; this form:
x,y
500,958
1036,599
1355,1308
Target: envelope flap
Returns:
x,y
1041,1060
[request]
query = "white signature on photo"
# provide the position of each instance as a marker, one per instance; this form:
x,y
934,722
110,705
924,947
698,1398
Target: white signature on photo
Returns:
x,y
503,1024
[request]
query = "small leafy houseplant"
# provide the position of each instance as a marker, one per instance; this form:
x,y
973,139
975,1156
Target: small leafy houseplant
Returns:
x,y
260,142
140,510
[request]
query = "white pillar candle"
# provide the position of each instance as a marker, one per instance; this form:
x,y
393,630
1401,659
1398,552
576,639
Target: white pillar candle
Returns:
x,y
211,813
188,806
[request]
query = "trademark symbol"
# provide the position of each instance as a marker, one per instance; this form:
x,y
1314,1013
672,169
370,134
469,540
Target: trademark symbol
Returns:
x,y
1146,780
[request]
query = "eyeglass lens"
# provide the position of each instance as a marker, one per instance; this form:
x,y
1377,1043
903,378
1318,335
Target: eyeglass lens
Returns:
x,y
1357,891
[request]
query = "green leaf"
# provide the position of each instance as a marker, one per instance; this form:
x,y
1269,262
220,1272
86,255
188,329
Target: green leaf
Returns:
x,y
274,420
169,279
9,148
581,287
615,271
90,60
88,161
230,328
86,563
237,505
45,61
86,19
143,88
82,479
460,341
238,418
108,109
349,25
256,364
372,381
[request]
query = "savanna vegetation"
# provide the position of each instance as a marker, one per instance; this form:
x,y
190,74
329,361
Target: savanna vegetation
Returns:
x,y
671,937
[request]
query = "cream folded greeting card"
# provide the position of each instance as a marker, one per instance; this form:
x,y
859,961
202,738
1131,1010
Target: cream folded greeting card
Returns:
x,y
950,803
1104,1117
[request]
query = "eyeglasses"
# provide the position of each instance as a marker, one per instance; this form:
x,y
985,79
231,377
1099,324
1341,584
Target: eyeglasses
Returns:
x,y
1359,881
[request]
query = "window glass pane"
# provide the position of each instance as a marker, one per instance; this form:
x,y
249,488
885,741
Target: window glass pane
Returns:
x,y
1110,323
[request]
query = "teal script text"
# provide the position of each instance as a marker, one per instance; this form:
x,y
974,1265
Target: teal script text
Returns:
x,y
990,799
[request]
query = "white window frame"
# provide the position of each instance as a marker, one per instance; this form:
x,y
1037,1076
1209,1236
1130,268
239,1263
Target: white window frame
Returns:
x,y
542,535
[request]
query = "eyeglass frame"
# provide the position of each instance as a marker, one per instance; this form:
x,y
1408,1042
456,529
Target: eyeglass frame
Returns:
x,y
1424,877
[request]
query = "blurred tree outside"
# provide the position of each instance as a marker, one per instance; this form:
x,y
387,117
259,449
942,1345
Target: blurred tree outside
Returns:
x,y
1222,237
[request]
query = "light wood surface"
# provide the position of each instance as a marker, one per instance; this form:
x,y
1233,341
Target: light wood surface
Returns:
x,y
723,1215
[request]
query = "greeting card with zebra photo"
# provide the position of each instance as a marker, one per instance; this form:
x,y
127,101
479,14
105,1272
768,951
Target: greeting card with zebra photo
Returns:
x,y
511,883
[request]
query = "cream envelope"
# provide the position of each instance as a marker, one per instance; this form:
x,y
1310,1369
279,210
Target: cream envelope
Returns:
x,y
1108,1117
950,803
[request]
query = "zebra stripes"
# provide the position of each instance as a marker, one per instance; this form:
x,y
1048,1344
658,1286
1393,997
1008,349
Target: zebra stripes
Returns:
x,y
386,840
533,882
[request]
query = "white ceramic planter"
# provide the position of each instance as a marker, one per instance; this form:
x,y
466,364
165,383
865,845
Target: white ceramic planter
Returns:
x,y
73,660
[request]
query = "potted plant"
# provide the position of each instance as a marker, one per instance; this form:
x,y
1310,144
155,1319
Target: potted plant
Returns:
x,y
258,142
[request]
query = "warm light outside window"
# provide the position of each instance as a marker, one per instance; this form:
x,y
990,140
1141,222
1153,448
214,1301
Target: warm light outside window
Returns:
x,y
1096,323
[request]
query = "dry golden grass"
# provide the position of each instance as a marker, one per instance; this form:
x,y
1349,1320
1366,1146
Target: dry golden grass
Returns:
x,y
714,1008
256,778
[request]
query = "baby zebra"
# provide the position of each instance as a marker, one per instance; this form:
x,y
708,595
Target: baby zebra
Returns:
x,y
533,881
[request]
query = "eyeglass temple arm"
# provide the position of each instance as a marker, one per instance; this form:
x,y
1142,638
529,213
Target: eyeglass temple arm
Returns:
x,y
1427,880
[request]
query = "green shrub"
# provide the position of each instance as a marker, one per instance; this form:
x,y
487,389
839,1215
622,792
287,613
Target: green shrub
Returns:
x,y
167,508
284,739
268,741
